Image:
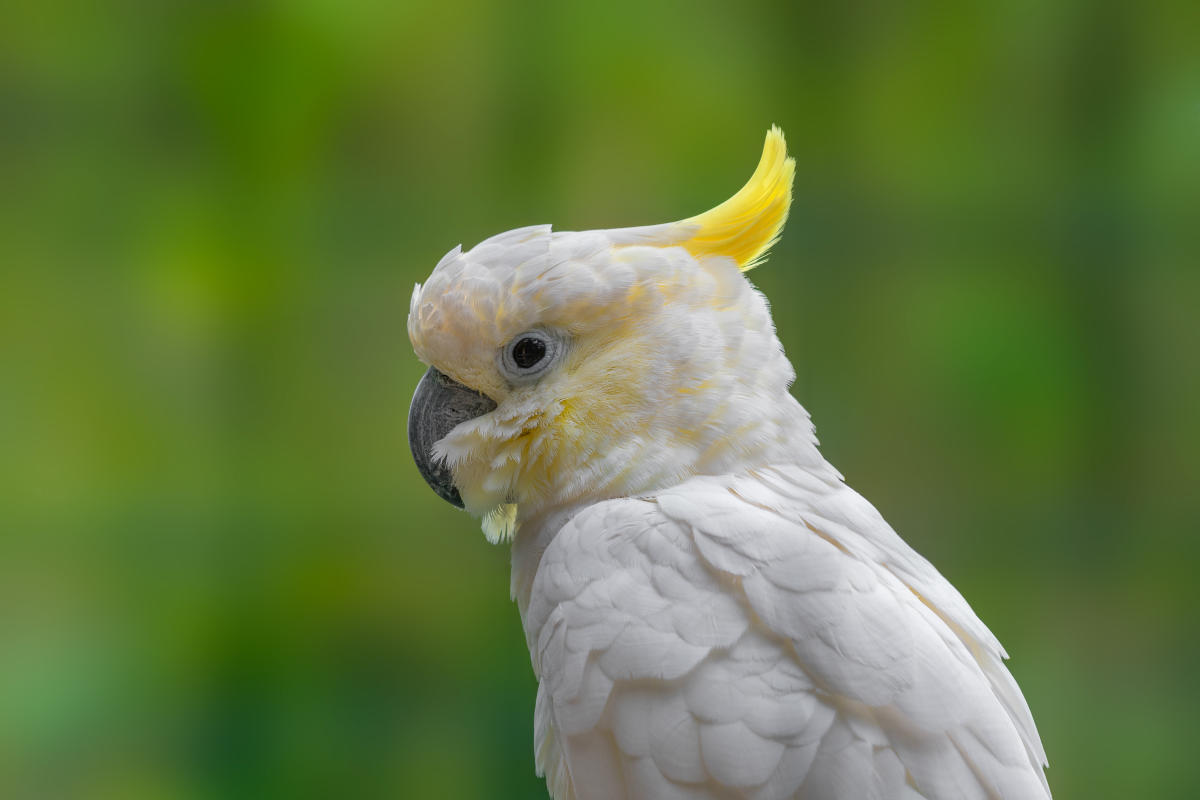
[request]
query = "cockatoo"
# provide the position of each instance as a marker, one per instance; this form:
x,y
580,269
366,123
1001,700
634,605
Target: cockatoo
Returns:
x,y
710,610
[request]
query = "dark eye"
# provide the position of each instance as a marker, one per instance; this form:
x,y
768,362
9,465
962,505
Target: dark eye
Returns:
x,y
528,351
527,355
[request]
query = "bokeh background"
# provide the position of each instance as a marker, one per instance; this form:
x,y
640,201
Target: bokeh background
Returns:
x,y
222,577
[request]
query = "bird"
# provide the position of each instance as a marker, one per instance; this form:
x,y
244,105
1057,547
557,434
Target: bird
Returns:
x,y
710,610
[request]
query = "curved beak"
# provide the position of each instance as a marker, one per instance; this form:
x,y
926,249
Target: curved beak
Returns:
x,y
439,405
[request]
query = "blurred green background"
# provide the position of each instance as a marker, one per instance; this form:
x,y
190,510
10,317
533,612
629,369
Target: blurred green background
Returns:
x,y
222,577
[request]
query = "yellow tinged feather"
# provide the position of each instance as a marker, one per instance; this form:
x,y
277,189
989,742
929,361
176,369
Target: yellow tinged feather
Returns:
x,y
746,225
500,524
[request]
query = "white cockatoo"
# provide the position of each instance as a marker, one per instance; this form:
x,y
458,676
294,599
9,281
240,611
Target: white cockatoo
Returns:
x,y
710,611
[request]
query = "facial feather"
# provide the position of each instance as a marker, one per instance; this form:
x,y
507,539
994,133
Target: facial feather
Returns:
x,y
670,368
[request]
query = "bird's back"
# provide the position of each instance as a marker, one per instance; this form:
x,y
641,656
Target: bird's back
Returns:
x,y
764,635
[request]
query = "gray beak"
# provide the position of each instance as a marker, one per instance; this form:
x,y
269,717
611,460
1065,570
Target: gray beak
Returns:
x,y
438,406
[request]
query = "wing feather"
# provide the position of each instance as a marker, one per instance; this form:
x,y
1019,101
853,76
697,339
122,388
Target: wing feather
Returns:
x,y
766,636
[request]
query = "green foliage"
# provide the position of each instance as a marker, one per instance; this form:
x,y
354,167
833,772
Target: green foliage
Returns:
x,y
222,577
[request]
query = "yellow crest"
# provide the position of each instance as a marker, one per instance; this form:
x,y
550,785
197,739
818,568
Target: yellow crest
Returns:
x,y
746,225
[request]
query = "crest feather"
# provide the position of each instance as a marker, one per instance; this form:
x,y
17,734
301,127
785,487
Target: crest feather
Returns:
x,y
746,225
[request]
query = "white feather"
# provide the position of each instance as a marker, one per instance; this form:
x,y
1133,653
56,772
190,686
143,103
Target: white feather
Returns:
x,y
710,611
741,637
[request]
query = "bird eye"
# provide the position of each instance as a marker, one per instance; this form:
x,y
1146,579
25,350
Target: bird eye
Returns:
x,y
528,351
528,355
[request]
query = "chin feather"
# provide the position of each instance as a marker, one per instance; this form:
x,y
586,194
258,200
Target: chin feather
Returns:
x,y
500,524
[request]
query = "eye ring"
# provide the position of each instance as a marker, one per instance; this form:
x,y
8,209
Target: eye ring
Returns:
x,y
528,355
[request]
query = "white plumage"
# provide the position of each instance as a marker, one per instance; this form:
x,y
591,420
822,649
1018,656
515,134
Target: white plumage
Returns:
x,y
710,611
764,635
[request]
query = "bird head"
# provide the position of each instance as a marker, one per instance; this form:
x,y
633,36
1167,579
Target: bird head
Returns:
x,y
567,367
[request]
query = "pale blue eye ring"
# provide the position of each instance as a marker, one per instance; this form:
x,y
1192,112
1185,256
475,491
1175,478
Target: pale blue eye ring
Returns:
x,y
529,355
